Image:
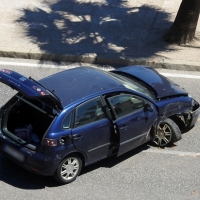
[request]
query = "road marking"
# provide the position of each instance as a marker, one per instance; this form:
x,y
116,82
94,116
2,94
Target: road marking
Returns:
x,y
35,65
179,153
181,75
45,65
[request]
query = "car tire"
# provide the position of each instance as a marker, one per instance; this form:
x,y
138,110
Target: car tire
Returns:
x,y
167,133
68,170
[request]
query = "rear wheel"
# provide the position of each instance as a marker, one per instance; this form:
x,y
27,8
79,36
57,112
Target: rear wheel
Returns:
x,y
167,133
68,170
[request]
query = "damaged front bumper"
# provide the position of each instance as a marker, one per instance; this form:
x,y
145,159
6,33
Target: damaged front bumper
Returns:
x,y
194,115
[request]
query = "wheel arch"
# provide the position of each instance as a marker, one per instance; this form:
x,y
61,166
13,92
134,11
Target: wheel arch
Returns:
x,y
161,135
177,119
72,170
76,153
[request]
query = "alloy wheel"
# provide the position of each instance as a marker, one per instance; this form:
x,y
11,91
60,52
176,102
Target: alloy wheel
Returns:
x,y
70,168
163,135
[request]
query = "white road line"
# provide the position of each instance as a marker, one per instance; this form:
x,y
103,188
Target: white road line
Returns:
x,y
179,153
45,65
181,75
33,65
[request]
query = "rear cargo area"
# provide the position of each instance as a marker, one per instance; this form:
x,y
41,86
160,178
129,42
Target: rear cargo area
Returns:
x,y
23,114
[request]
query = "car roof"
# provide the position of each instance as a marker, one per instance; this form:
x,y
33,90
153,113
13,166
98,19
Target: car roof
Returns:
x,y
78,83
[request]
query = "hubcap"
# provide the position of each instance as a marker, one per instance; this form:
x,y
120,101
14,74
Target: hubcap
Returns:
x,y
163,135
70,168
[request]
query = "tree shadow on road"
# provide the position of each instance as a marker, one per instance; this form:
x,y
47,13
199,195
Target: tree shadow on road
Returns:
x,y
108,29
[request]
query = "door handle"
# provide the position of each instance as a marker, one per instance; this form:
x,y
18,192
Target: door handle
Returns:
x,y
76,137
124,127
101,125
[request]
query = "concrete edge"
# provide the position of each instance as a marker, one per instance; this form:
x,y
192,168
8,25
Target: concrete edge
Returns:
x,y
95,59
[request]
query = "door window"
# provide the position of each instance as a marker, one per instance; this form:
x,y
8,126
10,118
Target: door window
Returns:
x,y
125,103
89,112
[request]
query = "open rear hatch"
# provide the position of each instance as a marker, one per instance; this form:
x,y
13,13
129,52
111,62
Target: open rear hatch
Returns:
x,y
29,87
28,115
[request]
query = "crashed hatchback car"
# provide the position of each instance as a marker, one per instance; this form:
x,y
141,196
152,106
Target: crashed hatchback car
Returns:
x,y
80,116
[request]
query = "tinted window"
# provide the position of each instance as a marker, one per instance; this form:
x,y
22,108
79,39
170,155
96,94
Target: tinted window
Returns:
x,y
125,104
67,121
89,112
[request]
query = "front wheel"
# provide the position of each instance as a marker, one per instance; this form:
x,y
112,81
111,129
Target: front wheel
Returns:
x,y
68,170
167,133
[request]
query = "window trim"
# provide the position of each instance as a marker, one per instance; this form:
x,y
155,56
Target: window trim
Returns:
x,y
121,94
71,121
76,110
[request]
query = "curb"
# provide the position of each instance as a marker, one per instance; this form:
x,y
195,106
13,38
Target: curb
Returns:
x,y
157,62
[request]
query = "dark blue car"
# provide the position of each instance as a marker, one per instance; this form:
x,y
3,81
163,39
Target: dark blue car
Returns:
x,y
80,116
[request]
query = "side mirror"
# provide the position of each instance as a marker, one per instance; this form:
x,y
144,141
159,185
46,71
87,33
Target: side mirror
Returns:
x,y
148,107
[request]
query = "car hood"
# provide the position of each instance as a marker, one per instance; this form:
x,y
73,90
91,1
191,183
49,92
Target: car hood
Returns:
x,y
161,86
28,87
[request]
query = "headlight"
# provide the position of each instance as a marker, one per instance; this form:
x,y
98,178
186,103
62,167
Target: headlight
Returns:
x,y
193,102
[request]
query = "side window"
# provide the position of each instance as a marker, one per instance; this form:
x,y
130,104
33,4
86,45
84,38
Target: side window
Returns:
x,y
125,104
89,112
67,121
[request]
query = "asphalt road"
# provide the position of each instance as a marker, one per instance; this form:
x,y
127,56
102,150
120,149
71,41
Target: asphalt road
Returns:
x,y
144,173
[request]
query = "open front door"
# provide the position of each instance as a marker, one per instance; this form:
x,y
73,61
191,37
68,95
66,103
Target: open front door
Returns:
x,y
133,121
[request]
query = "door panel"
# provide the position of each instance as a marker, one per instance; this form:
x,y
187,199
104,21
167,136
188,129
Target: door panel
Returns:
x,y
133,129
93,132
94,139
132,120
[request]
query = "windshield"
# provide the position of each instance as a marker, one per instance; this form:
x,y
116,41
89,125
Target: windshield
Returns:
x,y
132,84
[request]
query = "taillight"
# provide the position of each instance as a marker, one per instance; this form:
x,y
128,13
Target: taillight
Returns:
x,y
40,90
49,142
7,71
